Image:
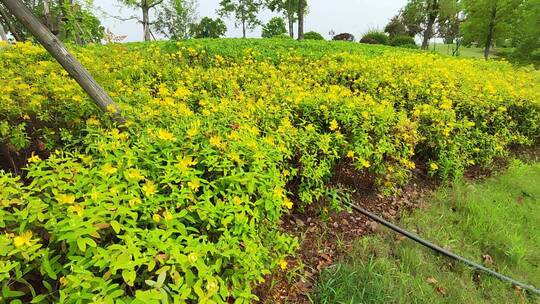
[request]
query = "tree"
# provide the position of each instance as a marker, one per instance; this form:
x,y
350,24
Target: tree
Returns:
x,y
449,26
69,20
289,9
301,11
422,15
396,27
174,18
145,6
489,21
274,27
209,28
526,34
244,13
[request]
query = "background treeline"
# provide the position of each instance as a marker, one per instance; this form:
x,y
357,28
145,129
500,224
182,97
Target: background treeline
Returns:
x,y
513,24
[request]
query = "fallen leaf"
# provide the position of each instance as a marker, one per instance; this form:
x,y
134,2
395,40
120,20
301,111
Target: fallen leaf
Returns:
x,y
520,200
432,280
440,291
488,260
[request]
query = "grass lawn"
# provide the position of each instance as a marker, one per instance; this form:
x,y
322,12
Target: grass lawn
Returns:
x,y
496,222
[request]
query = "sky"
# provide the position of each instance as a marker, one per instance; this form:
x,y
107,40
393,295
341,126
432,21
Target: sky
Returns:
x,y
351,16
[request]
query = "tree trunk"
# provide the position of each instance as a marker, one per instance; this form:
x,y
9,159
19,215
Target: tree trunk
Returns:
x,y
146,22
47,13
433,12
6,16
57,49
291,24
3,35
491,29
301,8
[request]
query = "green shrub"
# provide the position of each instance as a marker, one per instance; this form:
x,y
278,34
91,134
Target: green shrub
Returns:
x,y
313,36
375,37
223,138
283,36
402,40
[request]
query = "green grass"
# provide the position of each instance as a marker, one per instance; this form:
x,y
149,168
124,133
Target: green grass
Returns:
x,y
466,52
499,217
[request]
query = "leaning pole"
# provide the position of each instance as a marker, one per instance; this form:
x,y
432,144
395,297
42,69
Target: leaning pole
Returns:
x,y
59,51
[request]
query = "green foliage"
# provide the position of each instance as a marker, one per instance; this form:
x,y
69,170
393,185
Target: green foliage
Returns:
x,y
283,36
175,18
375,37
402,40
244,13
274,27
499,218
526,33
223,137
209,28
289,9
313,36
480,14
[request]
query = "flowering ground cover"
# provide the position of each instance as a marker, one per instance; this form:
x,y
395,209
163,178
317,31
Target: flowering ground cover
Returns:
x,y
222,138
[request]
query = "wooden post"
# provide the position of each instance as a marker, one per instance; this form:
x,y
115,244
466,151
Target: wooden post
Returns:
x,y
58,50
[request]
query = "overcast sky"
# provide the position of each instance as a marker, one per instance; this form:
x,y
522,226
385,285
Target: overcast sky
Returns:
x,y
352,16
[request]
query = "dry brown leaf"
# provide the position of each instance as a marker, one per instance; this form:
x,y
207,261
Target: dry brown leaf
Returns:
x,y
488,260
432,280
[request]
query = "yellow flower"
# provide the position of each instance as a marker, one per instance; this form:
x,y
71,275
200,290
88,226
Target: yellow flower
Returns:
x,y
34,158
23,239
185,163
334,125
165,135
78,209
287,203
149,189
134,175
283,264
365,163
350,154
194,185
156,217
68,199
216,141
365,114
63,281
167,216
193,131
108,169
434,166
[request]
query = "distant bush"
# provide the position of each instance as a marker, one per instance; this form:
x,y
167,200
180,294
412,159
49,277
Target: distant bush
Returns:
x,y
274,27
282,36
402,40
375,37
409,46
344,37
313,36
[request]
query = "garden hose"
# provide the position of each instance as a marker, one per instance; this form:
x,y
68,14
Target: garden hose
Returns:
x,y
443,251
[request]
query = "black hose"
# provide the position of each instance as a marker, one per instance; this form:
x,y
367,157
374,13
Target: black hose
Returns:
x,y
443,251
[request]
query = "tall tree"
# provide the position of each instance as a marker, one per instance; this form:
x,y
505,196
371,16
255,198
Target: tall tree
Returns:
x,y
301,11
289,8
526,33
244,13
422,14
175,18
449,25
11,24
145,6
489,21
